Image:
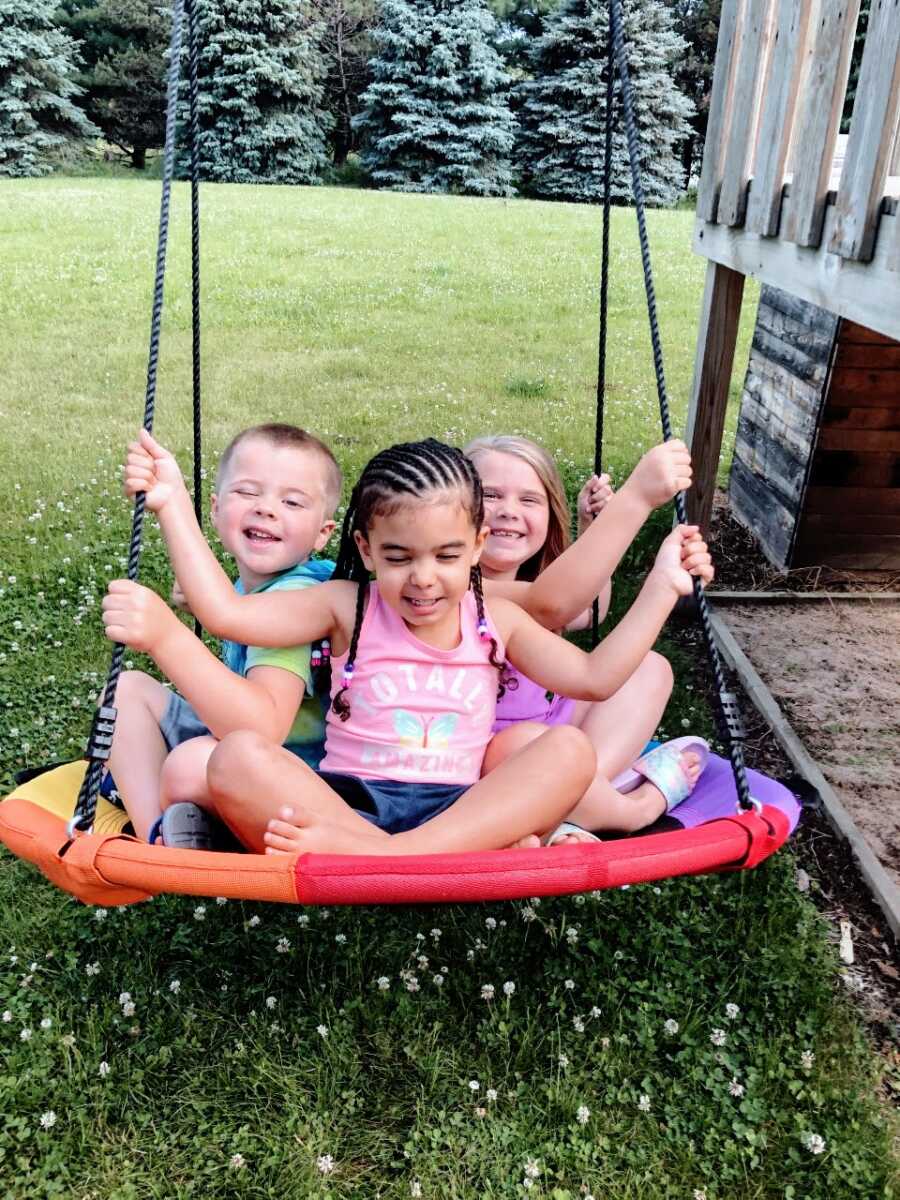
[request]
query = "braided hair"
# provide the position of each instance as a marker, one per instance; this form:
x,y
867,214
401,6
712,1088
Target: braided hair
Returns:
x,y
410,470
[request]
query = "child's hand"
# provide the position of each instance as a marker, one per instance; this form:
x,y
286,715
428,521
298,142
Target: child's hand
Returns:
x,y
682,555
151,469
593,498
135,615
178,599
662,472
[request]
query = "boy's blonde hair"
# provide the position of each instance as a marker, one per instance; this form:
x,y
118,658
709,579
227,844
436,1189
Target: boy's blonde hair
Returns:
x,y
559,535
289,435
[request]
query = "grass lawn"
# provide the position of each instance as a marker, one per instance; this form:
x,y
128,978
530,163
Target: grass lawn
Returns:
x,y
688,1040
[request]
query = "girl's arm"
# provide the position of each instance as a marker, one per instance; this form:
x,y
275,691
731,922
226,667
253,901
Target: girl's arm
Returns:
x,y
293,618
562,593
556,664
266,701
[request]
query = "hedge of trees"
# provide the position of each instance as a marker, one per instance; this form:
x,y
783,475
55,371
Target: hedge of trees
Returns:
x,y
474,97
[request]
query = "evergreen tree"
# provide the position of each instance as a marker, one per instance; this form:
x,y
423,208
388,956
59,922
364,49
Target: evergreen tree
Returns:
x,y
37,88
698,23
123,45
260,92
560,149
436,115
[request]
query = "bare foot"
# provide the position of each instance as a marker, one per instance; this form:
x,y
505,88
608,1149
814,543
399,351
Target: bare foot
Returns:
x,y
298,831
526,843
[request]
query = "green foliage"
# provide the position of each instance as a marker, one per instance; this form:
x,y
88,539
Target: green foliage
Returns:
x,y
261,86
562,114
859,42
697,22
345,43
124,45
38,118
436,116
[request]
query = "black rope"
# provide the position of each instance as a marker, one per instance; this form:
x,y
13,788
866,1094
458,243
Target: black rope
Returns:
x,y
604,296
103,726
194,138
727,708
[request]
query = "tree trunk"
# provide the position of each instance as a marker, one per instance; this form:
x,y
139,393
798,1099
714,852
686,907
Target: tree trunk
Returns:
x,y
139,157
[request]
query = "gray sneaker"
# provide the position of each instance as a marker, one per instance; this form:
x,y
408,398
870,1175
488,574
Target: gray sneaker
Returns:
x,y
188,827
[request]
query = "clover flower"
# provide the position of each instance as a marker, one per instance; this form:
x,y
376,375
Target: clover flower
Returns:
x,y
572,935
736,1088
271,1002
128,1009
807,1058
383,983
7,1016
583,1114
175,987
671,1027
200,912
644,1103
415,1189
325,1164
46,1023
25,1035
487,991
104,1069
322,1031
474,1085
732,1012
491,1094
813,1142
237,1161
48,1119
253,922
718,1037
438,980
569,985
509,988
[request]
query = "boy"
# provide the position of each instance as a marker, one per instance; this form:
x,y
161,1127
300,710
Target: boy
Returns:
x,y
277,488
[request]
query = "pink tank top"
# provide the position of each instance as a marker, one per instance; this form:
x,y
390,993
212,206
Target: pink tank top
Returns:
x,y
417,714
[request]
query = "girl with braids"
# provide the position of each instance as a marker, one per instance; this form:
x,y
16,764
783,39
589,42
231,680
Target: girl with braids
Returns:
x,y
527,513
417,659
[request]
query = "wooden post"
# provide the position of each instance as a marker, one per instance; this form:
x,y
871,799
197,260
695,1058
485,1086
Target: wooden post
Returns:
x,y
716,338
744,113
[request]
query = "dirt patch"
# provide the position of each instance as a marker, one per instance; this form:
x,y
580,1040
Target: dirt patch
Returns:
x,y
835,671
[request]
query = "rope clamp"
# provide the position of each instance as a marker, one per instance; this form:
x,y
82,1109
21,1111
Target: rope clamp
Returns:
x,y
73,832
101,735
755,806
733,723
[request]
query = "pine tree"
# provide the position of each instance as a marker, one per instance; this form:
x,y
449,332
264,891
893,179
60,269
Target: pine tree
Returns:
x,y
436,115
37,88
123,44
560,148
260,92
698,23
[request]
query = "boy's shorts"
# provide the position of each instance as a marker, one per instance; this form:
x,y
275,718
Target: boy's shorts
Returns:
x,y
180,723
393,805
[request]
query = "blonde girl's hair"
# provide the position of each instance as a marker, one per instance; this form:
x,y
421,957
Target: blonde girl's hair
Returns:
x,y
559,535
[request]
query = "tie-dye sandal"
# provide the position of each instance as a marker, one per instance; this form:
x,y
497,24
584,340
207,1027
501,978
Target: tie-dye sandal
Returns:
x,y
564,829
662,767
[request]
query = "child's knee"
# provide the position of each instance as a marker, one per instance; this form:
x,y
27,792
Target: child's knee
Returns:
x,y
137,687
508,742
183,774
233,759
573,750
660,675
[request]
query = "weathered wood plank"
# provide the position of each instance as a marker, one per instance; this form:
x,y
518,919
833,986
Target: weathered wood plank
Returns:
x,y
799,402
864,388
857,499
863,292
757,22
838,417
850,469
808,362
874,356
719,318
755,507
853,552
879,441
720,108
780,90
853,334
822,90
774,463
792,428
872,129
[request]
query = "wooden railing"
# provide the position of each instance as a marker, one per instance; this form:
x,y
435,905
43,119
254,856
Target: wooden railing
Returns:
x,y
782,196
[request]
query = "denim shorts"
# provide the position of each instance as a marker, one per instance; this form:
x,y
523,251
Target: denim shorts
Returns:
x,y
393,805
180,723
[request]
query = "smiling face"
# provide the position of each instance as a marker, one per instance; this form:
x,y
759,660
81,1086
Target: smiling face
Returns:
x,y
422,554
517,512
270,508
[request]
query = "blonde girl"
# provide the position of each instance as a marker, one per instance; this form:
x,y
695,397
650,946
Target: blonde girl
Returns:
x,y
528,517
418,658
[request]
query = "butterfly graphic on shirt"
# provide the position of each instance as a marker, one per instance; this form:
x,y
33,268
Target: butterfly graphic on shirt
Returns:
x,y
429,733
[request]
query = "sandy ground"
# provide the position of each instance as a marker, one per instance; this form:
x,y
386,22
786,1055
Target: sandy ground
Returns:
x,y
835,671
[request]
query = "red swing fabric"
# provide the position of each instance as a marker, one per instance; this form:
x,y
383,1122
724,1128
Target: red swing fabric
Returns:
x,y
109,869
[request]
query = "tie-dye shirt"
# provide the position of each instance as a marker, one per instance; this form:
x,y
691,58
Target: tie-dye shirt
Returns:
x,y
417,714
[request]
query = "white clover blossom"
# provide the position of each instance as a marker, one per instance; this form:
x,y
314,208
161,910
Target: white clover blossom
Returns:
x,y
563,1061
68,1039
46,1023
325,1164
736,1088
412,982
200,912
175,987
124,997
532,1168
813,1142
644,1102
7,1016
528,913
282,946
128,1009
480,1111
340,938
422,962
322,1031
220,900
671,1027
92,969
101,914
578,1024
596,1012
25,1035
415,1189
474,1085
436,935
490,922
509,988
271,1002
699,1194
569,985
237,1161
583,1114
732,1012
253,922
48,1119
718,1037
572,935
487,991
491,1095
104,1069
382,983
807,1058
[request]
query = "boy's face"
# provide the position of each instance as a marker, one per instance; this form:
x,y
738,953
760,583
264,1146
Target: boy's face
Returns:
x,y
270,508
